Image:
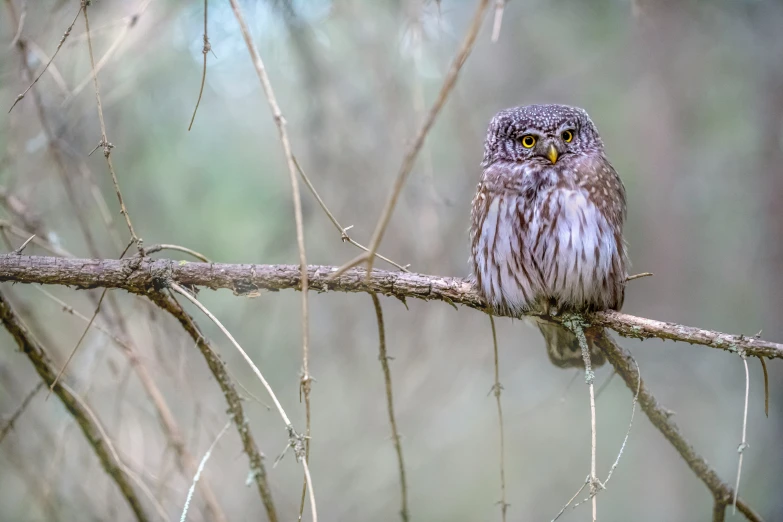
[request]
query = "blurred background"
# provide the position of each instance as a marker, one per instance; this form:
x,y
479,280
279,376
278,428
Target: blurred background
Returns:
x,y
688,97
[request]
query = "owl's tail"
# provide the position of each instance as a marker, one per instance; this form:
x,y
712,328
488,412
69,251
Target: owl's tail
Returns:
x,y
563,348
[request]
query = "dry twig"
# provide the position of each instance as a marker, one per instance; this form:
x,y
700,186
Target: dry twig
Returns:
x,y
184,459
200,469
743,445
576,325
343,230
224,380
661,418
500,6
92,432
497,388
390,405
277,115
295,440
178,248
17,41
205,51
410,157
104,140
766,386
9,424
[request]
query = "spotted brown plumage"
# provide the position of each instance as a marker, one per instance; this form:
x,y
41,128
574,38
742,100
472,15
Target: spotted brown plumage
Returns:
x,y
547,223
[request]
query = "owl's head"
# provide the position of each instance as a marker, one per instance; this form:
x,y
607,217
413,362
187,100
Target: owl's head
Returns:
x,y
543,134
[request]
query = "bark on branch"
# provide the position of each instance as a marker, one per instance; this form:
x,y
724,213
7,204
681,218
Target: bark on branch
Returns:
x,y
141,276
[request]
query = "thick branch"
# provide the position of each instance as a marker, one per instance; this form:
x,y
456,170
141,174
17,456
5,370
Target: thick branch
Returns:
x,y
91,430
142,275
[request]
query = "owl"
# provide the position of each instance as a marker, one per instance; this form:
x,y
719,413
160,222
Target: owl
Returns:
x,y
547,224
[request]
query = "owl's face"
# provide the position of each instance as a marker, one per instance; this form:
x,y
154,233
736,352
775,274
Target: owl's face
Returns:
x,y
543,134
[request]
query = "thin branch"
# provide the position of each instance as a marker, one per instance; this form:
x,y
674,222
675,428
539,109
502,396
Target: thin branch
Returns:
x,y
43,57
104,140
166,246
404,513
625,439
52,142
78,343
140,275
17,40
177,288
9,424
306,380
605,385
294,438
343,230
222,376
766,386
92,431
46,245
500,6
638,276
205,51
129,23
576,325
21,248
497,388
200,469
743,445
20,211
661,418
565,506
410,157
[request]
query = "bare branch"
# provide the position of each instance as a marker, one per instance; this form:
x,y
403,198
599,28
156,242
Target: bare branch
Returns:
x,y
306,380
92,432
205,51
497,388
200,469
79,342
104,140
343,230
743,445
500,6
140,275
390,405
17,41
418,142
9,424
661,418
219,370
184,459
166,246
294,437
576,325
766,386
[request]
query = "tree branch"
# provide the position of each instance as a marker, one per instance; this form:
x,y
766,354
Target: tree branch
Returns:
x,y
92,432
142,275
661,419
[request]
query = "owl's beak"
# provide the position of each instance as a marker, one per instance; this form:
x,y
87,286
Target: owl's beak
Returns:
x,y
551,153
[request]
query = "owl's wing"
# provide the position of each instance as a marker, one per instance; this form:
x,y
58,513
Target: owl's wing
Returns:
x,y
605,190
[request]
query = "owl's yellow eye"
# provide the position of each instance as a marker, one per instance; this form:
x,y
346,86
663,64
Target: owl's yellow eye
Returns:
x,y
528,141
567,136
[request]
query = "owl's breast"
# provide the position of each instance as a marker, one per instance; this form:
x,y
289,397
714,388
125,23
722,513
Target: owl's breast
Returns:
x,y
577,249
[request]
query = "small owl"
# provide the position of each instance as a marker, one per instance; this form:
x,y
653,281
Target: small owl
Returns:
x,y
547,223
